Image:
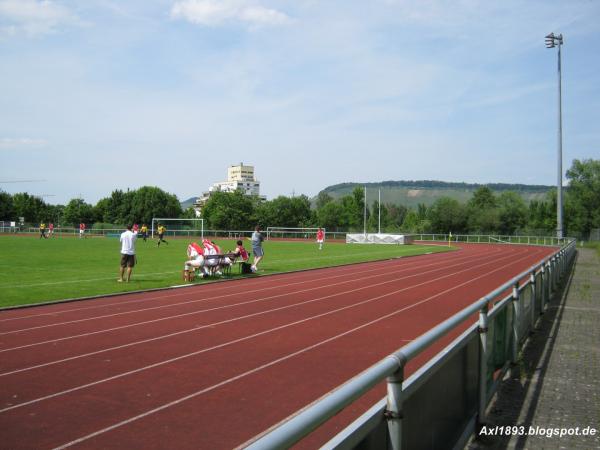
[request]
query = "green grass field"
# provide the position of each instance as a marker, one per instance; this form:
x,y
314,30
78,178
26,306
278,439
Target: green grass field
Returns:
x,y
37,270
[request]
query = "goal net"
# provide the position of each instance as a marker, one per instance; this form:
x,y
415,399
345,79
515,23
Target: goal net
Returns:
x,y
293,233
178,227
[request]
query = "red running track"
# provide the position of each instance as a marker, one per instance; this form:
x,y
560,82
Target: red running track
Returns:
x,y
213,366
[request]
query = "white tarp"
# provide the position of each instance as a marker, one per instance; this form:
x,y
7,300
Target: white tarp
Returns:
x,y
376,238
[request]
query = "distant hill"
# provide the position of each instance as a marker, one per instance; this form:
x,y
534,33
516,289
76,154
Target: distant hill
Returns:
x,y
411,193
187,203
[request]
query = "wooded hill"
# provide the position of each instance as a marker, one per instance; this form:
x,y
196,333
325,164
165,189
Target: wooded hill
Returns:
x,y
411,193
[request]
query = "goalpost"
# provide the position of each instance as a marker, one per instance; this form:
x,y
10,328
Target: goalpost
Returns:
x,y
292,233
178,227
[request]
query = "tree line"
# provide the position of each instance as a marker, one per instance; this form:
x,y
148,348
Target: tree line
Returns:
x,y
120,208
485,212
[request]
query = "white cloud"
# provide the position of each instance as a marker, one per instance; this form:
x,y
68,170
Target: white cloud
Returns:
x,y
211,12
18,143
33,17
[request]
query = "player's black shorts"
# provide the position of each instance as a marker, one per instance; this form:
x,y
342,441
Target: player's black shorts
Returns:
x,y
127,260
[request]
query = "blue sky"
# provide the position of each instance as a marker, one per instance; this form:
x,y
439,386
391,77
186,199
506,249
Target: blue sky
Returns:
x,y
104,94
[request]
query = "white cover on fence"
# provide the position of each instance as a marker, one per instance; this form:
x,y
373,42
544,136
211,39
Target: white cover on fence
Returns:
x,y
378,239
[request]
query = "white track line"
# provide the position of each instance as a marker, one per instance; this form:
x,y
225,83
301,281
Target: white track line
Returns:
x,y
402,269
269,364
245,338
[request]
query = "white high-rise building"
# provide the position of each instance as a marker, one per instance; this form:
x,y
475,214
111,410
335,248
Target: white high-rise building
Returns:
x,y
239,177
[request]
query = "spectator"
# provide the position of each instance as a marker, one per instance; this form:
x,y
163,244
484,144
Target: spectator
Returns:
x,y
257,250
128,259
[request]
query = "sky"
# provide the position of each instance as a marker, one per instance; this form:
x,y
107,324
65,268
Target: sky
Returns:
x,y
99,95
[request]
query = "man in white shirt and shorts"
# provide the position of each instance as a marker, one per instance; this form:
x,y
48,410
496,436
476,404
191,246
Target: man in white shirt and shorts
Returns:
x,y
128,239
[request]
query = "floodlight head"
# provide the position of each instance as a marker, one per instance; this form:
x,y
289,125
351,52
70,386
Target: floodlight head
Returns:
x,y
552,40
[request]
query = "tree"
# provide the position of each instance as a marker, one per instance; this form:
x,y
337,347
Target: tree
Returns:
x,y
512,212
447,215
7,208
482,214
541,215
483,198
32,208
102,210
229,211
78,211
137,206
395,216
148,202
417,221
322,199
330,216
286,212
582,204
353,209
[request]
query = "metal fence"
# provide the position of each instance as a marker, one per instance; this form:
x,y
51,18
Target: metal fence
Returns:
x,y
331,235
493,239
439,406
191,233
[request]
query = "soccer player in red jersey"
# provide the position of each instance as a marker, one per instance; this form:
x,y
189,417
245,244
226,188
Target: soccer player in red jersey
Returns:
x,y
320,238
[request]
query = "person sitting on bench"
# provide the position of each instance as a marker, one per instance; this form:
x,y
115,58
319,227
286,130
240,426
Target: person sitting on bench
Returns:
x,y
214,260
240,252
195,260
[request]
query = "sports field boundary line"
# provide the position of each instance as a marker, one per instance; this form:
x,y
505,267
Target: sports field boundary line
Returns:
x,y
180,286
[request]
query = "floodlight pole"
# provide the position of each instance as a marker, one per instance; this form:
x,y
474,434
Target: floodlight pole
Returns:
x,y
552,41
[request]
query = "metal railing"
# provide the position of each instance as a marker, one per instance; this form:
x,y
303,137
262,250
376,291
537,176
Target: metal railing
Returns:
x,y
493,239
440,405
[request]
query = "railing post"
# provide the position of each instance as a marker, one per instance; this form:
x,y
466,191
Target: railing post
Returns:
x,y
516,322
393,413
549,284
554,273
550,278
483,360
533,299
544,286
